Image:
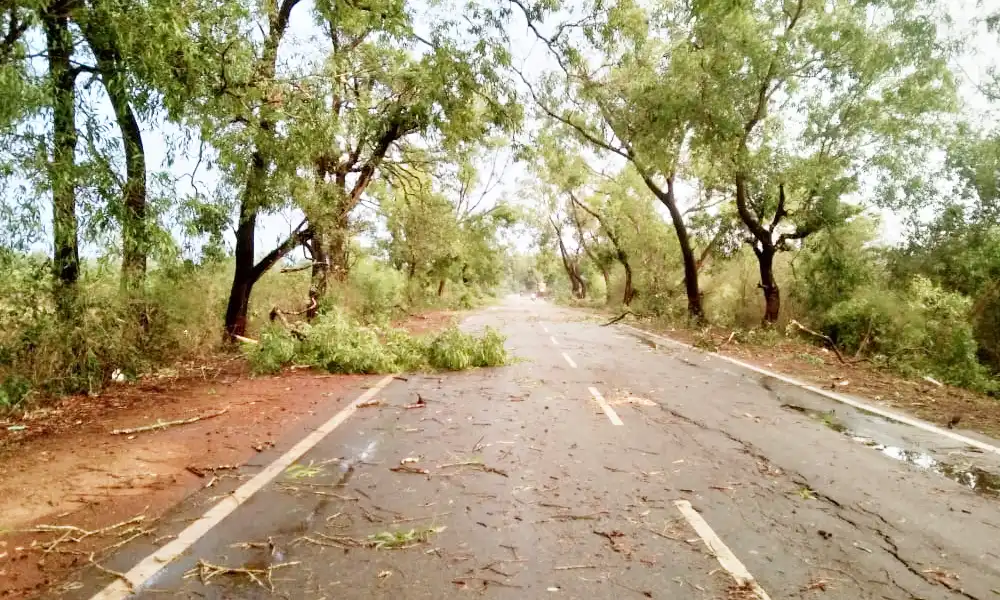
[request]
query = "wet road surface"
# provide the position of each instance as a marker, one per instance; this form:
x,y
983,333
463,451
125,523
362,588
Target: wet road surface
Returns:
x,y
598,465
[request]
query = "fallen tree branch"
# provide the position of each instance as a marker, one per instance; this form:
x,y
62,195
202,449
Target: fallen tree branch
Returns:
x,y
619,318
304,267
277,312
165,424
114,574
829,341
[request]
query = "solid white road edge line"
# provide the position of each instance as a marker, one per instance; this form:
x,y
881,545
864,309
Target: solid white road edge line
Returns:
x,y
138,575
554,342
888,414
723,554
610,412
569,360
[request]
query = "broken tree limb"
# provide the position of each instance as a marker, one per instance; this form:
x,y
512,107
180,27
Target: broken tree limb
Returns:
x,y
165,424
245,340
303,267
618,318
829,341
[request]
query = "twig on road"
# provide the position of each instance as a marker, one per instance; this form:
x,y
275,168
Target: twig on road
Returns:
x,y
165,424
477,464
111,572
486,582
574,567
262,577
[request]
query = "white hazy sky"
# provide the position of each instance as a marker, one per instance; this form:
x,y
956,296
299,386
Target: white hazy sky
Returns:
x,y
305,43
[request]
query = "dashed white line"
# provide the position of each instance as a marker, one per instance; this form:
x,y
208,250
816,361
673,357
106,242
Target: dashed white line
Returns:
x,y
725,556
143,572
545,329
569,360
554,342
610,412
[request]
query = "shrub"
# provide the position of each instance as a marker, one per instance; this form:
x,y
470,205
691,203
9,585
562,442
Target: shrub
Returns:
x,y
922,330
275,350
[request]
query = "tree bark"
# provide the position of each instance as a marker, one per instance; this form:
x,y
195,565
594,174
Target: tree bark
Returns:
x,y
772,294
629,289
247,276
764,248
691,288
243,282
441,285
62,167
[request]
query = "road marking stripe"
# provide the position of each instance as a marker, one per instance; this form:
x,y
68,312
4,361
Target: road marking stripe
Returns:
x,y
545,329
554,342
723,554
569,360
610,412
888,414
152,564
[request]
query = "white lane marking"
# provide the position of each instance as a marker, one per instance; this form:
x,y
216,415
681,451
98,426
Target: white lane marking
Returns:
x,y
723,554
888,414
545,329
569,360
143,572
610,412
554,342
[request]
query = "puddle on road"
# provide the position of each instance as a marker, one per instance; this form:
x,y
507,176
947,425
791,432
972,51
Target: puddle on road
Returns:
x,y
972,477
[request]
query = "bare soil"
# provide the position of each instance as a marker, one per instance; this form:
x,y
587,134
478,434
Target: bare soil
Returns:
x,y
61,466
943,405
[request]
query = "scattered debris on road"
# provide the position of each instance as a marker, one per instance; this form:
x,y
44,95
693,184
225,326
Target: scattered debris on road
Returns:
x,y
206,571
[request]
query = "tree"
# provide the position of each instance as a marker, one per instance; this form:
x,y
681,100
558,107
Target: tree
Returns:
x,y
801,99
618,102
55,18
389,86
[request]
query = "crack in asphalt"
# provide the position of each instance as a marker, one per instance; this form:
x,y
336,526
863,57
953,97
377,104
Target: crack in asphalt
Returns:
x,y
890,547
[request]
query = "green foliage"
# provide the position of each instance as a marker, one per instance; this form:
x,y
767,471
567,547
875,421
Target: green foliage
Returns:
x,y
922,330
337,343
276,349
14,390
376,290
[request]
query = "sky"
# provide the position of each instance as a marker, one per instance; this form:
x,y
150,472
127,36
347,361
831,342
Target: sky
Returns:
x,y
305,42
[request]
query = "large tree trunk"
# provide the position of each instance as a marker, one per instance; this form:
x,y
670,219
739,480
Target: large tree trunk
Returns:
x,y
607,284
772,295
629,289
62,175
243,281
691,288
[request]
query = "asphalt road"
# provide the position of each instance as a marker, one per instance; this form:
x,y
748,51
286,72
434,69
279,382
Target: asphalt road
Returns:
x,y
598,465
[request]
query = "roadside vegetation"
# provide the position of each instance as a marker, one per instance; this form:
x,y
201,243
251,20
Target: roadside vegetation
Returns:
x,y
728,169
179,176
